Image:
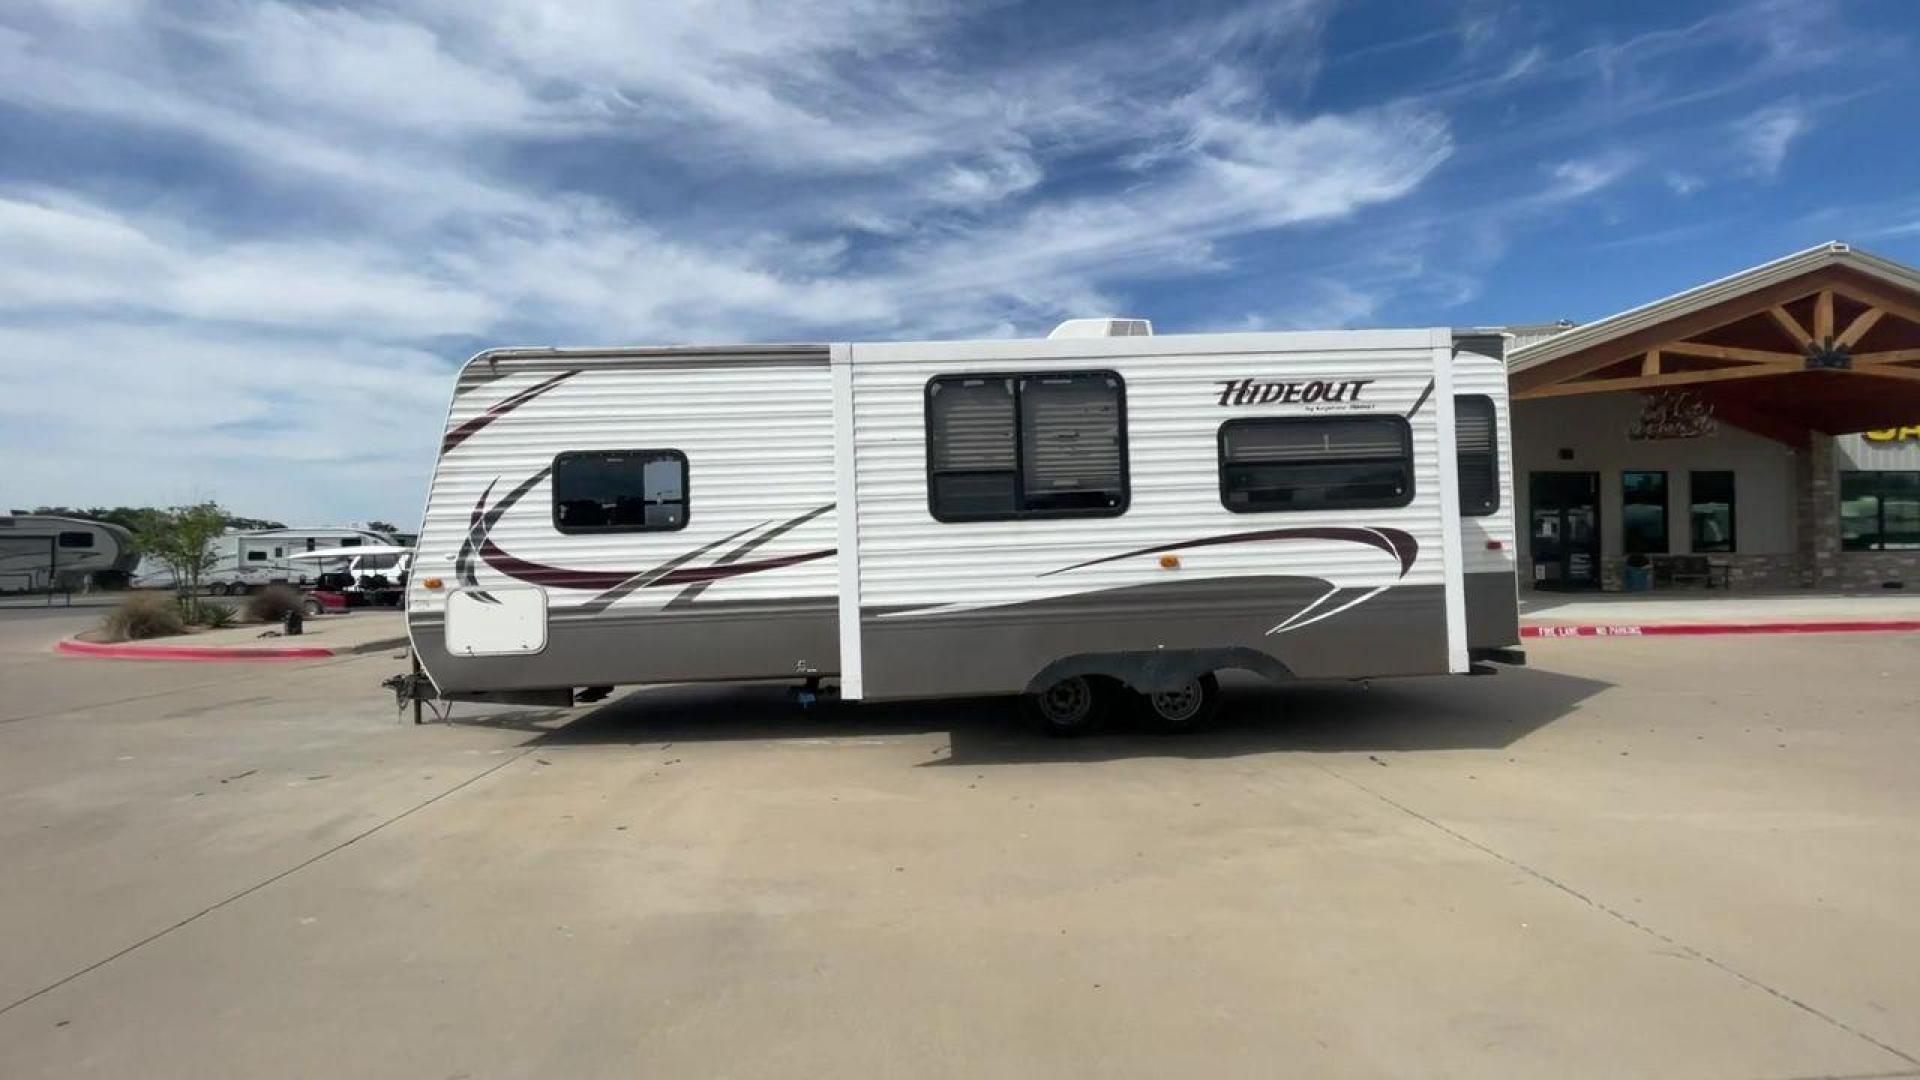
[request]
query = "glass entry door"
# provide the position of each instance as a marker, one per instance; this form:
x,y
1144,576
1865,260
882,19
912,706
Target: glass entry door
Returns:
x,y
1564,511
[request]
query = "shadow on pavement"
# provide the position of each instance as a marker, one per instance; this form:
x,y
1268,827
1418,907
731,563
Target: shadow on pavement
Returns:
x,y
1256,717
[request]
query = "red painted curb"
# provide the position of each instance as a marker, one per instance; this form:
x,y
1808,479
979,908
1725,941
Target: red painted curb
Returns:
x,y
1703,629
126,651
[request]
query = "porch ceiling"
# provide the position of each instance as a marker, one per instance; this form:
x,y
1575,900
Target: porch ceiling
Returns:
x,y
1826,341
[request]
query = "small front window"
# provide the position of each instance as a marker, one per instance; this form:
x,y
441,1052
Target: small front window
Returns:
x,y
620,491
76,539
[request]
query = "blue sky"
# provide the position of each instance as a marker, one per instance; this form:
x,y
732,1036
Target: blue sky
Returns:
x,y
244,245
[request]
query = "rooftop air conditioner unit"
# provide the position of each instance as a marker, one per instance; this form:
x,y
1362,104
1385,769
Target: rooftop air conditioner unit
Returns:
x,y
1085,328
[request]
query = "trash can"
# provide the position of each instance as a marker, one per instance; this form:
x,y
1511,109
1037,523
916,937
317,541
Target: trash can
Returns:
x,y
1638,578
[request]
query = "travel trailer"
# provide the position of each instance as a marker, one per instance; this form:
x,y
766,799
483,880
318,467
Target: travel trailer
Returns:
x,y
244,561
44,552
1085,520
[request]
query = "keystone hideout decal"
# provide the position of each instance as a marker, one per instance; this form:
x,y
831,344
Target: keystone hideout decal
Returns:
x,y
1323,392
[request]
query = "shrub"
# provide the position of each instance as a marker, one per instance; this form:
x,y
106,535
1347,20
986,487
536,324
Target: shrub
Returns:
x,y
144,615
215,616
272,603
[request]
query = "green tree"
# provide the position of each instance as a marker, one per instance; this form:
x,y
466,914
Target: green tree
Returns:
x,y
182,540
247,524
385,528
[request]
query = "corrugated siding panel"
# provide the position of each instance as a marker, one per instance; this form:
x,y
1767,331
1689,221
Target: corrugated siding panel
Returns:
x,y
1173,421
1475,374
758,438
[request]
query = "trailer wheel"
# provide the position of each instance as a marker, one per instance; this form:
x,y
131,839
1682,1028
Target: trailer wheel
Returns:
x,y
1183,708
1072,706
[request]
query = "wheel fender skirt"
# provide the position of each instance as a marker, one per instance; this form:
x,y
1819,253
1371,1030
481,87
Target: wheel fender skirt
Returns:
x,y
1154,671
559,697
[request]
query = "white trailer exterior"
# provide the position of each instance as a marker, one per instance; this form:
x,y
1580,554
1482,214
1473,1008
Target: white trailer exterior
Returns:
x,y
253,559
1121,514
41,551
266,555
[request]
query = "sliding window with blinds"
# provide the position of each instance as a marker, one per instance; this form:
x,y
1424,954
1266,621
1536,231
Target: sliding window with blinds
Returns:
x,y
1477,447
1014,446
1343,463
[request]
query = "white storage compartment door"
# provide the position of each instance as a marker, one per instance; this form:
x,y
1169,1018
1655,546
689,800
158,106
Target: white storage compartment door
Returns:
x,y
496,622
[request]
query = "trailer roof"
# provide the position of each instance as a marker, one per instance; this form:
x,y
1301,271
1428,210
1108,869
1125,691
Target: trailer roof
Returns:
x,y
523,357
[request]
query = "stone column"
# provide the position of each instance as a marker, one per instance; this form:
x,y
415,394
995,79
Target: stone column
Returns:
x,y
1818,518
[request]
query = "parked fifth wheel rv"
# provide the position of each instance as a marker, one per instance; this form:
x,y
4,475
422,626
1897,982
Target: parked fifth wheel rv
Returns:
x,y
1082,519
250,560
40,551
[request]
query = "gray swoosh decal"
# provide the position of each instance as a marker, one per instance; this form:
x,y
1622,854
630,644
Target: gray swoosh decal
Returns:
x,y
606,599
687,595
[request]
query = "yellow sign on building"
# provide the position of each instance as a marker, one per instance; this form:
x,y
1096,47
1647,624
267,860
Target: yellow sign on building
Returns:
x,y
1899,434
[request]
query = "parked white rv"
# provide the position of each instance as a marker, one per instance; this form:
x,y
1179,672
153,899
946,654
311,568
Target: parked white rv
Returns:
x,y
244,561
39,551
1066,518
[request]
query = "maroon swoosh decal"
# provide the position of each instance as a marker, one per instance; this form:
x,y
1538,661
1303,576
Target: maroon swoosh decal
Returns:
x,y
553,577
1396,542
557,577
472,427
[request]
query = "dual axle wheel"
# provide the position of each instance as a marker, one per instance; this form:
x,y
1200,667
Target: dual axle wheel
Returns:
x,y
1078,705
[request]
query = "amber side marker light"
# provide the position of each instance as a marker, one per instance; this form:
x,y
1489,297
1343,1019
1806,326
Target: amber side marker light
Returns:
x,y
432,583
1169,562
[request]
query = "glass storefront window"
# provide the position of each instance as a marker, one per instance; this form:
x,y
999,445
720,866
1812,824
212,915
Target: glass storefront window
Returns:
x,y
1710,512
1880,511
1643,512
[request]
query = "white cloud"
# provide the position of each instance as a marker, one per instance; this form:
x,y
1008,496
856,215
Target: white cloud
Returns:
x,y
367,69
1683,183
265,346
68,254
1764,138
601,170
166,413
1580,177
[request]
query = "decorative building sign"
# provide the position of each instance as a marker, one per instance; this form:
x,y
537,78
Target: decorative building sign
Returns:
x,y
1910,433
1673,414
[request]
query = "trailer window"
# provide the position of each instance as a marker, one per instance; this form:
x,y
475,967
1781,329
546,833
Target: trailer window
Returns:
x,y
1314,463
1001,447
76,539
256,556
620,491
1477,446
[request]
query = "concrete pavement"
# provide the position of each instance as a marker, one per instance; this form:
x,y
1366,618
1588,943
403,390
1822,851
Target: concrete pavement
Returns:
x,y
1716,606
1677,858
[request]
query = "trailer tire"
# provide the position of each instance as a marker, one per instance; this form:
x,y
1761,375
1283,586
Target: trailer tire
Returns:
x,y
1075,705
1183,709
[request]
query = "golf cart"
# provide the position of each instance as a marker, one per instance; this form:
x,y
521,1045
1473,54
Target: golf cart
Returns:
x,y
371,575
